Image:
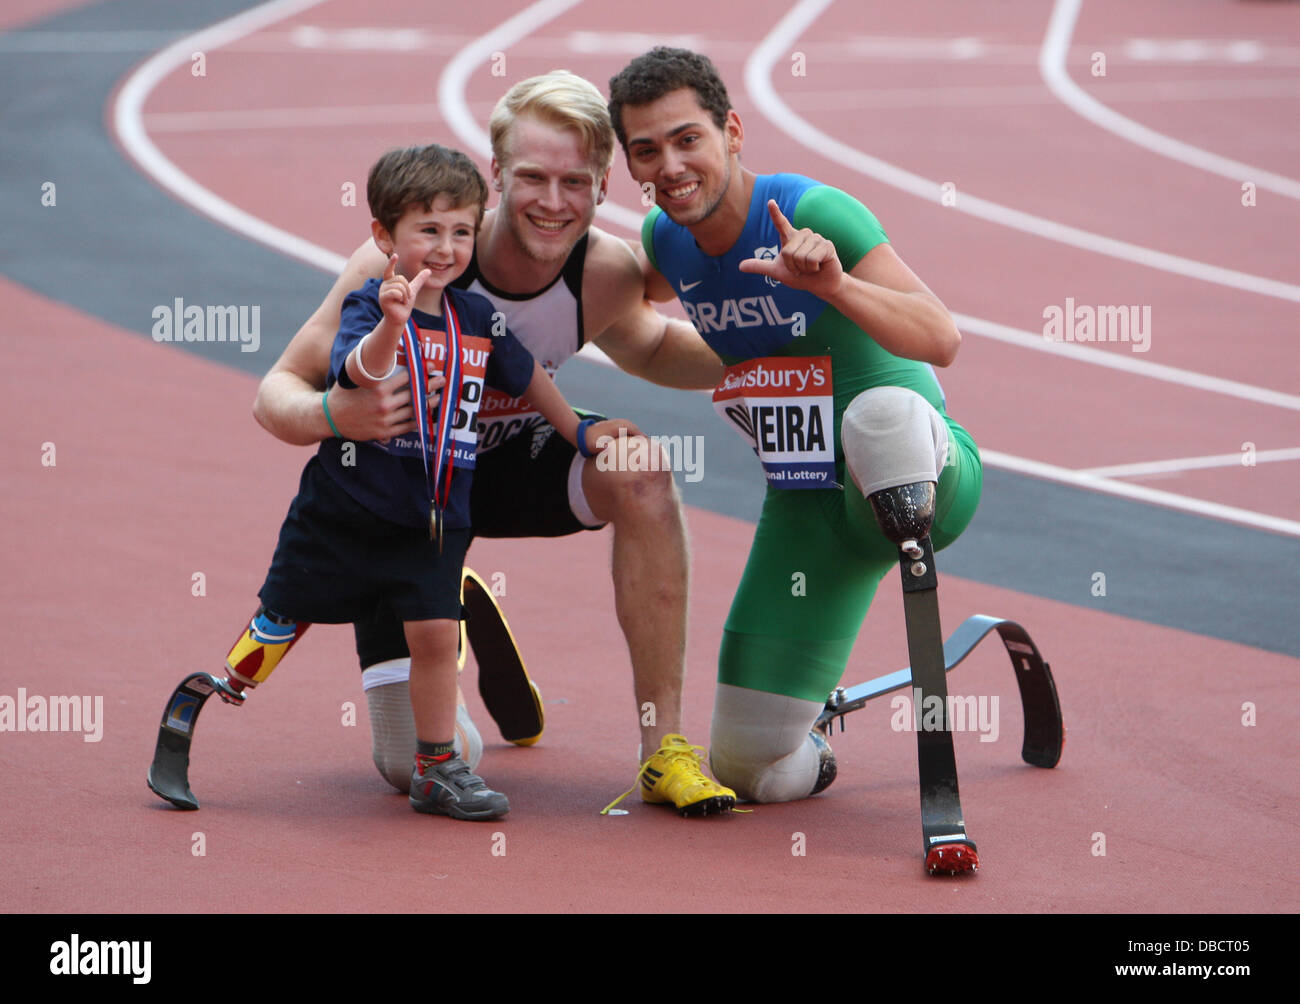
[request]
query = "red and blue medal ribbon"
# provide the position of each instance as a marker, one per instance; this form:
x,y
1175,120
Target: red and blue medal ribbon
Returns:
x,y
435,441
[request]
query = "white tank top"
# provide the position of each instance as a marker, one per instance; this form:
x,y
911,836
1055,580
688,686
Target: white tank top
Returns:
x,y
548,323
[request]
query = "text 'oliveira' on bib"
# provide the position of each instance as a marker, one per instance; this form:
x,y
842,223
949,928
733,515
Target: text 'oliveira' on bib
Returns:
x,y
784,407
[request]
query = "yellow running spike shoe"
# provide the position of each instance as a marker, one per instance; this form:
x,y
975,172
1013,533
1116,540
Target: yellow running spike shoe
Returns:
x,y
673,774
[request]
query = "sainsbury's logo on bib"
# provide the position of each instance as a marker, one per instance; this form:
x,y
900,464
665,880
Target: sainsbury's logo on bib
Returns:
x,y
784,409
435,353
790,376
475,351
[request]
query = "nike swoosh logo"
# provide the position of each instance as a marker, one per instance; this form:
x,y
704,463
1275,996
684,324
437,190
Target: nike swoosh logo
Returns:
x,y
688,286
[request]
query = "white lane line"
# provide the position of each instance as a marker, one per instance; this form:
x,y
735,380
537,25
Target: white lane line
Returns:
x,y
221,120
1014,95
628,43
1096,357
758,70
1141,493
1051,64
128,123
1094,481
1127,363
1193,463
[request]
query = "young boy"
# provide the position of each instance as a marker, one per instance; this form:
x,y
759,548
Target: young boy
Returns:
x,y
390,519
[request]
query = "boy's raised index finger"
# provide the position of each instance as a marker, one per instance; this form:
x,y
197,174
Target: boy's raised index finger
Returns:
x,y
390,270
783,226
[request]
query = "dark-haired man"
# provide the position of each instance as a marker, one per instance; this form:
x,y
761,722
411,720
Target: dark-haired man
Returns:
x,y
829,340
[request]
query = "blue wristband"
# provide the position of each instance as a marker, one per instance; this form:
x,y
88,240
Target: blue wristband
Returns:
x,y
581,437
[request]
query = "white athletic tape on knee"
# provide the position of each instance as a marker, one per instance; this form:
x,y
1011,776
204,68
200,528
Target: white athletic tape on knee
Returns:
x,y
892,436
578,503
760,745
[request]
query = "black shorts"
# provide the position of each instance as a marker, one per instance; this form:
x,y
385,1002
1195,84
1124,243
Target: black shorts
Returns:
x,y
338,563
521,489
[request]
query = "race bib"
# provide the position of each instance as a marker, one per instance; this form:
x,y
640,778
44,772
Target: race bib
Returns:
x,y
503,417
474,351
784,408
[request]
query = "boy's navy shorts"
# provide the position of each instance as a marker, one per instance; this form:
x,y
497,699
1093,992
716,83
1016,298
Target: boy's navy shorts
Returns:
x,y
339,563
519,490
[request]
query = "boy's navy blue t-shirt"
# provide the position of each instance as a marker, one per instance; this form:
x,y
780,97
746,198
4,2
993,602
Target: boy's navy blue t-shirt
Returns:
x,y
388,476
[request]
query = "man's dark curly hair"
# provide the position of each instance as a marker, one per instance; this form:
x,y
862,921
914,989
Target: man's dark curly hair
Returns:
x,y
661,71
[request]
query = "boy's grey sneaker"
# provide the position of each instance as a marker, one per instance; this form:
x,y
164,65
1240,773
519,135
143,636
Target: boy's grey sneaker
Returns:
x,y
448,788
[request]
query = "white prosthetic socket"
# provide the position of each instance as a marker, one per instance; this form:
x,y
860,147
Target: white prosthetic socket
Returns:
x,y
760,744
892,436
392,723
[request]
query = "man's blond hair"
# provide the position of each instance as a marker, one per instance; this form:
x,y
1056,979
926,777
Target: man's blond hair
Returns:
x,y
560,99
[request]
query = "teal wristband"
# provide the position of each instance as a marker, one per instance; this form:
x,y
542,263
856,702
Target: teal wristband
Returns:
x,y
325,402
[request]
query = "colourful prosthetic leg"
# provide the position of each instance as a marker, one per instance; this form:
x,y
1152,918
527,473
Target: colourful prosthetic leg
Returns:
x,y
261,646
255,654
